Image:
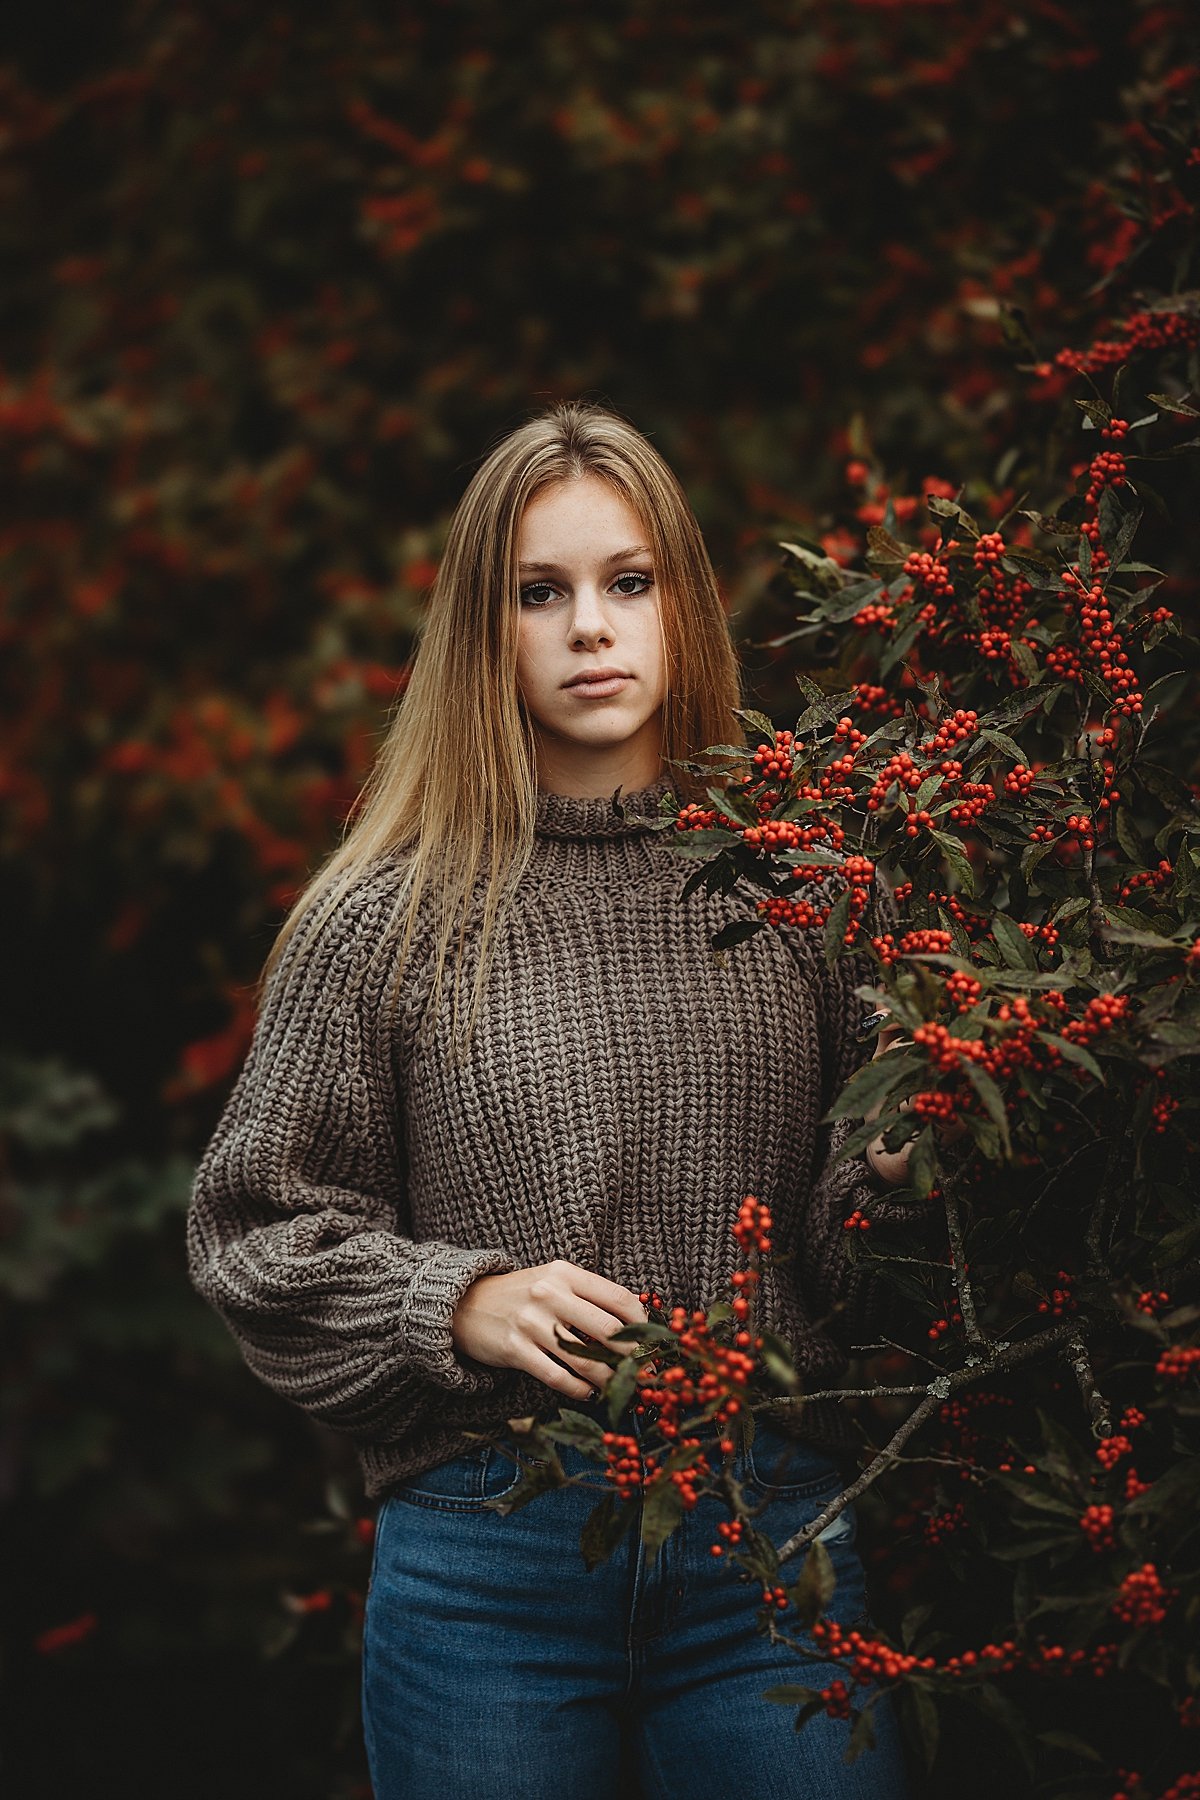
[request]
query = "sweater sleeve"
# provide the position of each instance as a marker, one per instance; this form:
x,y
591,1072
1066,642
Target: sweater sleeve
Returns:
x,y
867,1305
297,1227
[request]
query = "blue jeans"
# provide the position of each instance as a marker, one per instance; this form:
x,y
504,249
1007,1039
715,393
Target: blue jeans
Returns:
x,y
494,1663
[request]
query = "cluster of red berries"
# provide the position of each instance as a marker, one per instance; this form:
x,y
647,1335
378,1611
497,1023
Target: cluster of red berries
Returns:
x,y
856,1221
869,1658
1163,1107
1142,331
1107,469
962,723
976,797
774,761
928,572
875,616
940,1327
837,1699
900,769
962,990
1110,1450
926,941
624,1464
731,1531
940,1526
989,548
1184,1787
1101,640
704,818
1096,1524
1045,933
1103,1012
1082,828
801,913
1064,661
1152,1301
1178,1364
776,1596
1142,1599
936,1106
1151,879
944,1050
725,1373
1019,780
1062,1299
956,1416
872,698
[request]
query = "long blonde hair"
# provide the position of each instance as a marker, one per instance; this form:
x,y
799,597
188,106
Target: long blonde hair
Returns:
x,y
453,788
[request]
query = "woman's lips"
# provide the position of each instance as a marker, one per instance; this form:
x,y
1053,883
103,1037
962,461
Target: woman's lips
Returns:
x,y
596,690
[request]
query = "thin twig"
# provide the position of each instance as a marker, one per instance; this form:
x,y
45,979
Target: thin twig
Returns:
x,y
846,1393
1098,1408
966,1298
1097,1262
998,1357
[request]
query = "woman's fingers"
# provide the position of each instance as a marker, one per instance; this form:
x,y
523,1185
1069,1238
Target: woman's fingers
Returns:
x,y
598,1323
576,1387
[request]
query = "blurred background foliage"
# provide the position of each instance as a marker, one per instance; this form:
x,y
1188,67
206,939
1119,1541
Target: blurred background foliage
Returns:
x,y
275,279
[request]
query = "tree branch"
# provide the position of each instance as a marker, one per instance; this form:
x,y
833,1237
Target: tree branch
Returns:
x,y
999,1356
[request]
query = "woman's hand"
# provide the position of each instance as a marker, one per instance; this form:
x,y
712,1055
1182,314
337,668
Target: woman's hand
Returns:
x,y
509,1321
892,1165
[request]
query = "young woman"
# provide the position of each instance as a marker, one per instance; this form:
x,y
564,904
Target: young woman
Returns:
x,y
405,1222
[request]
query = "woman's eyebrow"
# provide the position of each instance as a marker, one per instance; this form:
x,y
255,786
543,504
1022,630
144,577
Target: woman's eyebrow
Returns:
x,y
556,568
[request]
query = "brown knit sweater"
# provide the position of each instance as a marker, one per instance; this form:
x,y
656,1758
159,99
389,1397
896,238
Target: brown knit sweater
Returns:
x,y
626,1089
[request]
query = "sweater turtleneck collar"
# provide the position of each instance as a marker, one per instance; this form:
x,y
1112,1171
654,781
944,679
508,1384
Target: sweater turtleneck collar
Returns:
x,y
568,816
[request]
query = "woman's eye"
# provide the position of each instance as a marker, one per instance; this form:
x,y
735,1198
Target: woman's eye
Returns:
x,y
529,595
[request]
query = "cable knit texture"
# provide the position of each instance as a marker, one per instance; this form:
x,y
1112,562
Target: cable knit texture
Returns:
x,y
626,1089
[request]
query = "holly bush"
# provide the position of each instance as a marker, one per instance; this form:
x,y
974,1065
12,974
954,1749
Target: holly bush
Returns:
x,y
270,276
994,808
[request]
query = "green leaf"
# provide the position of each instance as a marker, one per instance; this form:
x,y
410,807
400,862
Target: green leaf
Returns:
x,y
1002,741
662,1509
862,1737
1014,945
1075,1053
956,857
950,511
992,1099
814,1587
737,932
734,806
575,1428
603,1529
835,927
925,1718
923,1163
758,721
619,1389
777,1360
1026,661
791,1693
870,1083
1032,856
1074,1746
1176,406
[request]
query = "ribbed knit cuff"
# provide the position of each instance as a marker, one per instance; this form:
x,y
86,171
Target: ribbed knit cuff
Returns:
x,y
444,1274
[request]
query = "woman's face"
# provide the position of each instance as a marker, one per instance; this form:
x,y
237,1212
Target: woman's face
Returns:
x,y
589,601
